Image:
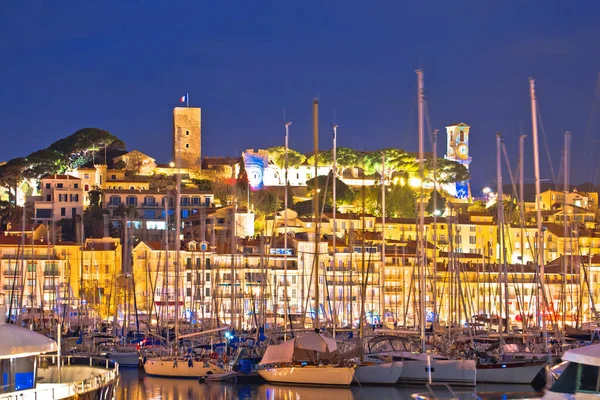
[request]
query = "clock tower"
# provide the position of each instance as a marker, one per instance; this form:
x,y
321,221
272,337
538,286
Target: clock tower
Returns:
x,y
458,150
458,143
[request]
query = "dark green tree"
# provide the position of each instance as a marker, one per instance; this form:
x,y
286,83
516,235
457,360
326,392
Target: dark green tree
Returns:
x,y
399,201
344,194
11,176
95,196
440,203
93,221
204,184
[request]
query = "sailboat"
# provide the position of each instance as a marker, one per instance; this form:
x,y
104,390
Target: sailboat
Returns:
x,y
504,369
176,364
306,360
310,359
423,367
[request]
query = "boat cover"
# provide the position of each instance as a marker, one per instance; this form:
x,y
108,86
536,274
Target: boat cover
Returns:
x,y
279,353
284,353
21,342
588,355
316,342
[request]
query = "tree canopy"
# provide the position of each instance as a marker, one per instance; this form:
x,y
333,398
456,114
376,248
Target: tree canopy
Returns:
x,y
277,155
344,157
448,171
396,160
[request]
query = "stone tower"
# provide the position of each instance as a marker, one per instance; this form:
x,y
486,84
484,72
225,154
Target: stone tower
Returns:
x,y
187,128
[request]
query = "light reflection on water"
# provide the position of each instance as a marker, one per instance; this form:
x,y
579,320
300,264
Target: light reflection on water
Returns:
x,y
135,385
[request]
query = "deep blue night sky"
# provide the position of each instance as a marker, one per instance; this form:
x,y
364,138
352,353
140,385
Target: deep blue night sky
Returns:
x,y
122,65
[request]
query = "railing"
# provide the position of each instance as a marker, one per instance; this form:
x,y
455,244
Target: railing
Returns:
x,y
9,272
51,273
72,389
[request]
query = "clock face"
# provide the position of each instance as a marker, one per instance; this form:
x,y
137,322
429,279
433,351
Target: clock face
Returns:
x,y
462,150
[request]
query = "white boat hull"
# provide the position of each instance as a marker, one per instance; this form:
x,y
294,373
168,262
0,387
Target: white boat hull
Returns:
x,y
456,372
124,359
181,369
309,375
515,373
381,374
550,395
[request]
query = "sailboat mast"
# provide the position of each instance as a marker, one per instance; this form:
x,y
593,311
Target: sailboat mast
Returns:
x,y
316,324
565,227
421,243
382,267
334,168
285,236
536,170
435,215
165,289
502,254
522,218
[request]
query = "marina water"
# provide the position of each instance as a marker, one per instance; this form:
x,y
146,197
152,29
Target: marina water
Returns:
x,y
136,385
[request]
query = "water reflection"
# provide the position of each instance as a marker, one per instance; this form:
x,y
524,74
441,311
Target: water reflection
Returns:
x,y
277,392
135,385
378,392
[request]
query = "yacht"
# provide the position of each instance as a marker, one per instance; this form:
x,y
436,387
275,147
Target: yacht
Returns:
x,y
580,379
30,372
180,367
377,371
423,367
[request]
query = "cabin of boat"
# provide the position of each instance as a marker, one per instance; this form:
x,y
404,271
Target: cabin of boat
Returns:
x,y
581,377
28,373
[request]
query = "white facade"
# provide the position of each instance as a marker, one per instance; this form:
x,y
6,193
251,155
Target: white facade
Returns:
x,y
297,176
61,197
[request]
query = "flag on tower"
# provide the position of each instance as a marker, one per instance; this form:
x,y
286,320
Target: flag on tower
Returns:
x,y
182,99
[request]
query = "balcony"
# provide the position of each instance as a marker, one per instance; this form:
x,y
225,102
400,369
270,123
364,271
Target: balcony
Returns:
x,y
10,287
10,272
51,272
50,287
29,257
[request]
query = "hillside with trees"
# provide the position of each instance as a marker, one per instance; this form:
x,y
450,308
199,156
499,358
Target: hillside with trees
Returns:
x,y
70,152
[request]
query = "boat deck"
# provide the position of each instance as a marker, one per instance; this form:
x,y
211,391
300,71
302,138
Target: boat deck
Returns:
x,y
77,376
